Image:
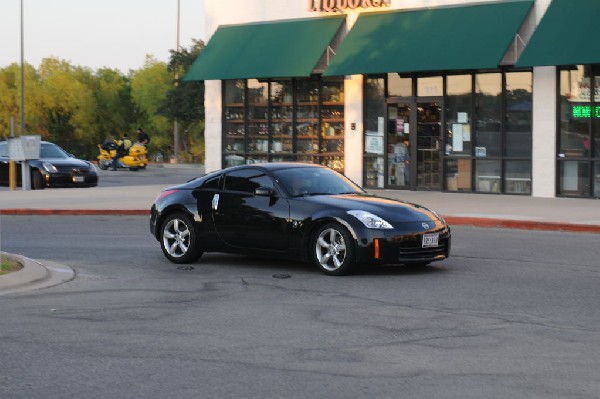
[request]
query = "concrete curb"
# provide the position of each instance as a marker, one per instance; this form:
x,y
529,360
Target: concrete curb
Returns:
x,y
452,220
30,273
34,275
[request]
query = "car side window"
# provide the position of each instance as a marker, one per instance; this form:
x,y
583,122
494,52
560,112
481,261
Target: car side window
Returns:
x,y
246,180
4,150
212,183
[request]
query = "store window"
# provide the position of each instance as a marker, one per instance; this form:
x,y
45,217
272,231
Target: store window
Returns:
x,y
459,121
282,102
374,144
486,145
258,121
399,86
430,86
284,120
488,114
234,126
579,126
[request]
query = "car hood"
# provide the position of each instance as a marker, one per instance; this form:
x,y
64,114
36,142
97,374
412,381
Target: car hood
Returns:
x,y
74,162
394,211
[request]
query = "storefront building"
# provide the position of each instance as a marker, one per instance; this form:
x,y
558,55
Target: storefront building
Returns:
x,y
465,96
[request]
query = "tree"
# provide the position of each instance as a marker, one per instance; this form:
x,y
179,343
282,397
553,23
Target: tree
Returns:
x,y
115,111
184,100
70,105
149,86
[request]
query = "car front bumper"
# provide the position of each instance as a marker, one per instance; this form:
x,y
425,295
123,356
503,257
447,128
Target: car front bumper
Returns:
x,y
65,179
402,245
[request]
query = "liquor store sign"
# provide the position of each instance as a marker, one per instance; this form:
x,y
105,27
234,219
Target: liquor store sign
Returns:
x,y
341,5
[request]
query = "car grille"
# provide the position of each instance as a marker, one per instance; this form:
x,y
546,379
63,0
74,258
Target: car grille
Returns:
x,y
412,250
72,170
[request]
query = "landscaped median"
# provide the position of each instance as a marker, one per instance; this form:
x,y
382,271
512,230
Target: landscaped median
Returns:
x,y
20,272
9,264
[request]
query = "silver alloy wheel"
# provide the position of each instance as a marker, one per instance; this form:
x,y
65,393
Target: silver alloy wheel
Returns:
x,y
331,249
176,238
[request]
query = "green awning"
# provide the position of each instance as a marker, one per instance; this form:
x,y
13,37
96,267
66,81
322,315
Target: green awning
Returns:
x,y
433,39
290,48
567,35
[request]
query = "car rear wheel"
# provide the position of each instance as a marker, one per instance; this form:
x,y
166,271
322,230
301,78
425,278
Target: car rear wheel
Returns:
x,y
333,250
178,239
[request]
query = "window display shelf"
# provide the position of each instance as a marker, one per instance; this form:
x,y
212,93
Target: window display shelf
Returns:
x,y
291,119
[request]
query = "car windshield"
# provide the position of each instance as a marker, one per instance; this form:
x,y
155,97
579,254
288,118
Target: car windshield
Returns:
x,y
299,182
52,151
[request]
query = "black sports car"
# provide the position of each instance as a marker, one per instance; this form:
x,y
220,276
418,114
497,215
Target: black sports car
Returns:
x,y
294,211
54,168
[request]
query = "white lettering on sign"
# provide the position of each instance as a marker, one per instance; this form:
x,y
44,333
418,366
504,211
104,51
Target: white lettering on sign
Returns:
x,y
340,5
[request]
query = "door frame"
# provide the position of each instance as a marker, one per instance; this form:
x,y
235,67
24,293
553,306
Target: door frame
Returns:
x,y
440,101
413,143
411,138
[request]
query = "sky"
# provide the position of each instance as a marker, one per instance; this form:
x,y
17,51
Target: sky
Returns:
x,y
117,34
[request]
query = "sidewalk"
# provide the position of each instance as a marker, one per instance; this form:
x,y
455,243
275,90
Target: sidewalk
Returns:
x,y
481,210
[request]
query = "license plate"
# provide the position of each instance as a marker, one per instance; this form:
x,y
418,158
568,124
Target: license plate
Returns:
x,y
430,240
78,179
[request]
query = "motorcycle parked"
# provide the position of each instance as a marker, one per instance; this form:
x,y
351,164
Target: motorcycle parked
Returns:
x,y
137,158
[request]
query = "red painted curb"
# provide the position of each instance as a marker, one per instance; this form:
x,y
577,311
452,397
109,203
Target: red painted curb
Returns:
x,y
452,220
114,212
522,224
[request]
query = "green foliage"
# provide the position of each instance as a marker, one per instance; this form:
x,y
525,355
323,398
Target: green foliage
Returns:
x,y
184,102
78,108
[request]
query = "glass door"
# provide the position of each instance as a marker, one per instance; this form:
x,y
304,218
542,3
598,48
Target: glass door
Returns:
x,y
398,144
429,144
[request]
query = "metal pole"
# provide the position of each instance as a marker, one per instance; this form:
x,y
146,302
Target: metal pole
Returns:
x,y
22,130
12,165
176,124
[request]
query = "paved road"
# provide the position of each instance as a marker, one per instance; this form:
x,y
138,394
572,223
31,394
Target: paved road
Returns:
x,y
510,314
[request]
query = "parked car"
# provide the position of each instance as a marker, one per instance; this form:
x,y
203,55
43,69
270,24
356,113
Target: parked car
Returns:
x,y
54,168
294,211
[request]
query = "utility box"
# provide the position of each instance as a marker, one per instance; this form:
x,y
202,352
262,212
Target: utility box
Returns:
x,y
24,148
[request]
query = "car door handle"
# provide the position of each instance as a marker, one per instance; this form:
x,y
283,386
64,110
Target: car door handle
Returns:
x,y
215,202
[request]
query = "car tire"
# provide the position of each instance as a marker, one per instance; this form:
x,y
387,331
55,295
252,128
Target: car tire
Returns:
x,y
37,180
332,250
178,239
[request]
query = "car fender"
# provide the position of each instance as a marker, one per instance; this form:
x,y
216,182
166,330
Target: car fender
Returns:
x,y
169,209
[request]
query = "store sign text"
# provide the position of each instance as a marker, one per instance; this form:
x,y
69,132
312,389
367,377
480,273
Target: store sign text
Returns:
x,y
585,111
341,5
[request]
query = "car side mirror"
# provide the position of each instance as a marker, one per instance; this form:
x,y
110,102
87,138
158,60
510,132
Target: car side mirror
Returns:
x,y
264,192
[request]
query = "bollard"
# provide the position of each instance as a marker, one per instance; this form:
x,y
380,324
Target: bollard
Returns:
x,y
12,175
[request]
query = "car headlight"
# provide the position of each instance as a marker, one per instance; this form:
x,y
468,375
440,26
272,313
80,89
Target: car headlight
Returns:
x,y
49,167
371,221
92,168
440,218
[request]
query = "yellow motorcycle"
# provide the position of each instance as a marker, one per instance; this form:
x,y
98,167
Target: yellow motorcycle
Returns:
x,y
137,158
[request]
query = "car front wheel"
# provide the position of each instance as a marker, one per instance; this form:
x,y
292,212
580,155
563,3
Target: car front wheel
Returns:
x,y
178,239
333,250
37,180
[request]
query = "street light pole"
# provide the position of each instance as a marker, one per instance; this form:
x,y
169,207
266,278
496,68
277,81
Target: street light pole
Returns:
x,y
22,130
176,124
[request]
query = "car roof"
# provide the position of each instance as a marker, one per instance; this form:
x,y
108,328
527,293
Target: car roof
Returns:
x,y
276,166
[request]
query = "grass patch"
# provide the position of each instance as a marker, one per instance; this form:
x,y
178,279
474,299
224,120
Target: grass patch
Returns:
x,y
9,264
